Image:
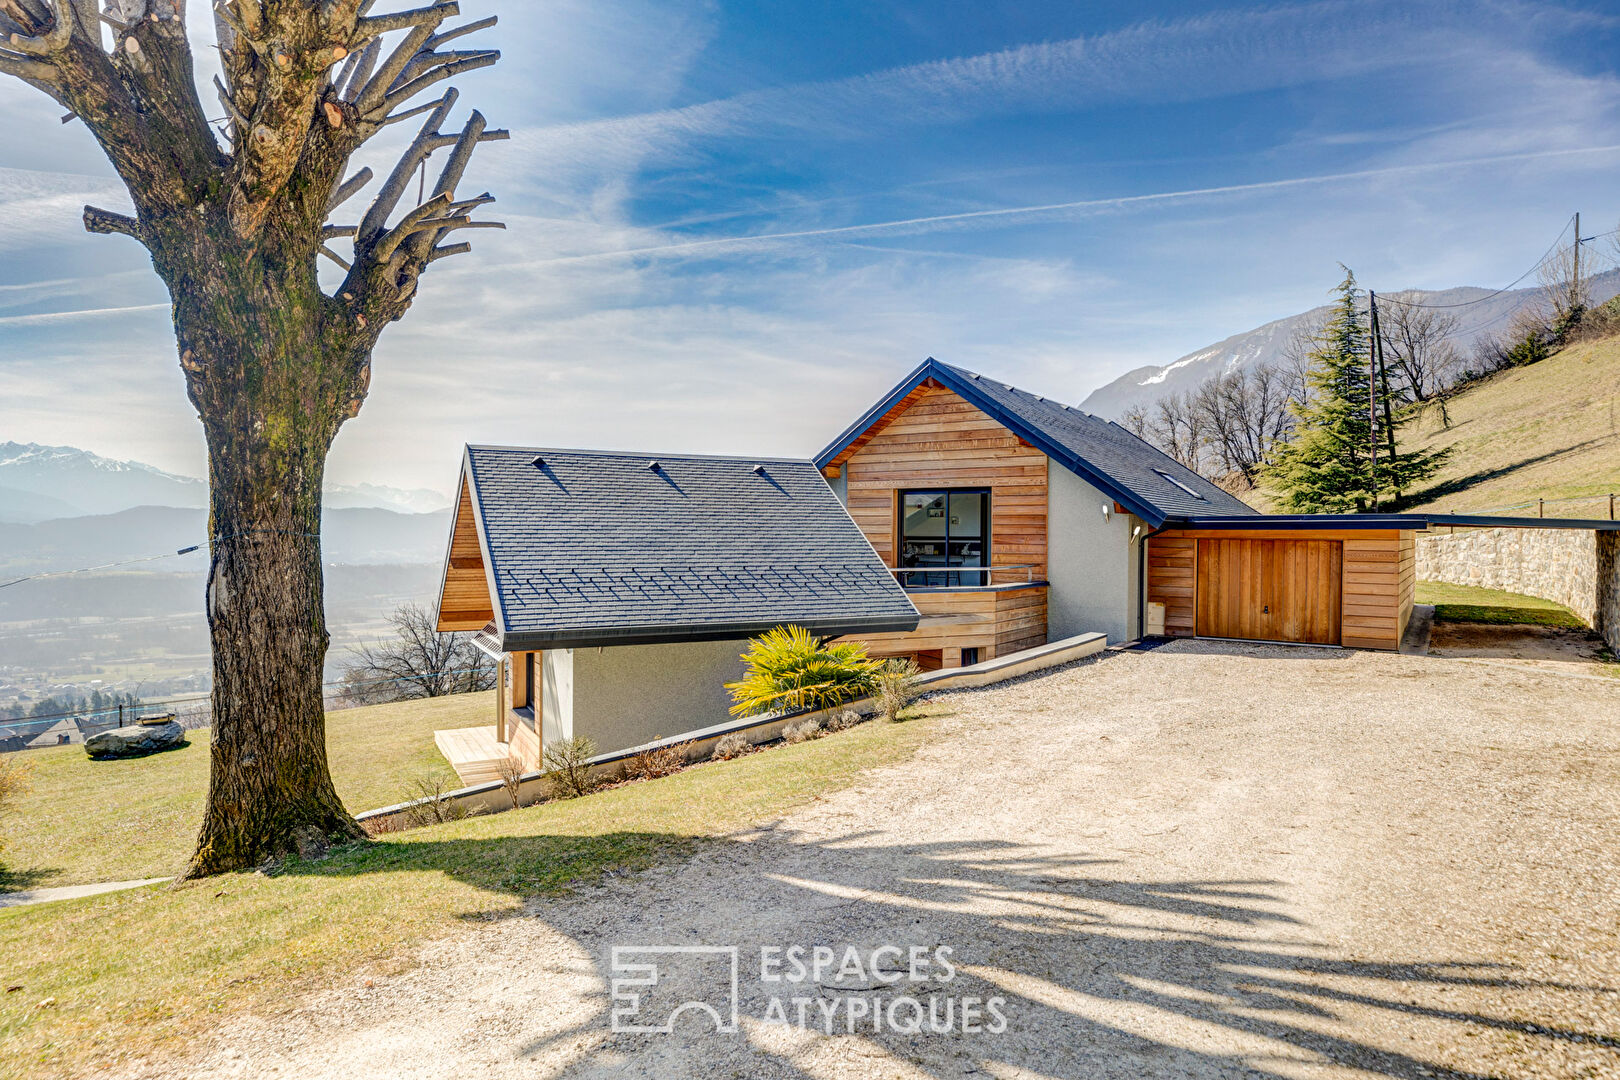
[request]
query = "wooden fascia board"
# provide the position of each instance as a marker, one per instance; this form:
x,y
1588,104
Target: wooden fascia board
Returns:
x,y
496,603
450,547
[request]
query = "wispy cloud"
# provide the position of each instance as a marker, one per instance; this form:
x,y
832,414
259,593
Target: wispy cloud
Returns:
x,y
1003,215
45,317
1209,56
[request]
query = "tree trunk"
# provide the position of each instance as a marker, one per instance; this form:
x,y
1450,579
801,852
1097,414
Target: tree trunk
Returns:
x,y
269,779
271,388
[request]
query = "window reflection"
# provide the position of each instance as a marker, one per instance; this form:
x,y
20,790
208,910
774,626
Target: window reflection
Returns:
x,y
944,529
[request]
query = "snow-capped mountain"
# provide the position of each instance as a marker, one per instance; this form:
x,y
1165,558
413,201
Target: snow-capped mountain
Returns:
x,y
40,483
1487,311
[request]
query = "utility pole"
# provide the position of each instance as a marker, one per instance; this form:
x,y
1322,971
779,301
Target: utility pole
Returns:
x,y
1575,276
1383,386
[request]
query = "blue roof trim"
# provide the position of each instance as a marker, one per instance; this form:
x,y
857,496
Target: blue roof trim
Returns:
x,y
1417,521
1127,498
964,385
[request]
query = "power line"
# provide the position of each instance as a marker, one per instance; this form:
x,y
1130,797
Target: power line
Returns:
x,y
149,558
195,699
1491,295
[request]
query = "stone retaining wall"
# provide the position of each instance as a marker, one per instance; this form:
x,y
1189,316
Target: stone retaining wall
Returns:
x,y
1574,567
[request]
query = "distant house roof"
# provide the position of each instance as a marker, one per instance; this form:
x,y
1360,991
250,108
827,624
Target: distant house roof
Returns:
x,y
1143,479
584,548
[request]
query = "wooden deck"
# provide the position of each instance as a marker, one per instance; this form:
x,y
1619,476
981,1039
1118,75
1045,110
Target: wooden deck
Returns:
x,y
473,752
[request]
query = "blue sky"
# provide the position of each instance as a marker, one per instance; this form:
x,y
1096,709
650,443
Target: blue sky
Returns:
x,y
731,226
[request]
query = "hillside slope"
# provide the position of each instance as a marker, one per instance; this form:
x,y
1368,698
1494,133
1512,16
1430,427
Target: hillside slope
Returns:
x,y
1488,311
1550,431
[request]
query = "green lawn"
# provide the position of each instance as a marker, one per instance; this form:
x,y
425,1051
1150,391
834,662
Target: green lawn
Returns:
x,y
137,973
1465,603
86,821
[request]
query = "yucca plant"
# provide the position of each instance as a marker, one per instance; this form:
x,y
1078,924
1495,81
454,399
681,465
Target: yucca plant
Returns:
x,y
789,668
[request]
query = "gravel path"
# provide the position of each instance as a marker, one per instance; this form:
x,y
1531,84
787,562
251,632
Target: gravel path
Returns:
x,y
72,892
1200,861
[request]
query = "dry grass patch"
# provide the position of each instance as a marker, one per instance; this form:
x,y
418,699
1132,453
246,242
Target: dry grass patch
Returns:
x,y
1549,430
137,974
86,821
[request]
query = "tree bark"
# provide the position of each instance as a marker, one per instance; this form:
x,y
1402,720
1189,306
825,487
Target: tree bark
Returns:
x,y
273,375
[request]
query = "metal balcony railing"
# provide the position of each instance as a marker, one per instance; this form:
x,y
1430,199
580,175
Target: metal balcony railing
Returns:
x,y
956,577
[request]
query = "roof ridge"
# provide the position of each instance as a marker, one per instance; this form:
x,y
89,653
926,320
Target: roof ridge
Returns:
x,y
640,455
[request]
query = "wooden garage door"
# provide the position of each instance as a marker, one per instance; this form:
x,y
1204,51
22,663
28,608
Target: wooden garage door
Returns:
x,y
1270,590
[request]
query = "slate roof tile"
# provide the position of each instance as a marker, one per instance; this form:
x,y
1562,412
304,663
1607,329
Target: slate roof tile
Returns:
x,y
596,548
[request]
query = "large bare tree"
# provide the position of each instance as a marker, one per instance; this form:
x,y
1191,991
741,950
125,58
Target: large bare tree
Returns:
x,y
235,221
1418,342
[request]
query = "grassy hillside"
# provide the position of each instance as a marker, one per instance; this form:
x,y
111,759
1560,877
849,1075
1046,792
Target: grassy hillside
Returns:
x,y
86,821
1550,430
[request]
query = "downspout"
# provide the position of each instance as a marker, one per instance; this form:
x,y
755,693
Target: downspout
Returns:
x,y
1141,582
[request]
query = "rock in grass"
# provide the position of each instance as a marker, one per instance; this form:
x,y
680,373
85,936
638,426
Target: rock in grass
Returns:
x,y
135,741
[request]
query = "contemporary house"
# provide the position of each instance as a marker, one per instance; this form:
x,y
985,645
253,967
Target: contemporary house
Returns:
x,y
618,590
957,521
1010,518
1013,519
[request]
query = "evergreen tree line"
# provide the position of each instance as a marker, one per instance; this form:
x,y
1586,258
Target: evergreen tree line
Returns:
x,y
70,704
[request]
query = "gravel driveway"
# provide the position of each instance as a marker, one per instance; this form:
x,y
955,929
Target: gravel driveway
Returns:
x,y
1205,860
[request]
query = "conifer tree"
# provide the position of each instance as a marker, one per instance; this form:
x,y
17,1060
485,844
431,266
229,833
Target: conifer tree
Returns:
x,y
1327,464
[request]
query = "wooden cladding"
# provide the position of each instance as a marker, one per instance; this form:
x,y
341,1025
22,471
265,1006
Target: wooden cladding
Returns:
x,y
1346,586
1172,581
464,603
933,440
1269,590
1380,584
994,621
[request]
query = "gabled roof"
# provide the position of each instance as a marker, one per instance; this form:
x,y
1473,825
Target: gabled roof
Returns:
x,y
1143,479
586,548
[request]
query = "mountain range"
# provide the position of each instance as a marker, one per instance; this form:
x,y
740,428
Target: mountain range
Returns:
x,y
39,483
1479,312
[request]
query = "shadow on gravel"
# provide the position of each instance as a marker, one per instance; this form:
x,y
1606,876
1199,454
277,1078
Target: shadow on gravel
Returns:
x,y
1100,975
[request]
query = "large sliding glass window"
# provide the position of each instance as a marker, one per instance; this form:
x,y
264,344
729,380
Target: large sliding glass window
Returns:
x,y
944,529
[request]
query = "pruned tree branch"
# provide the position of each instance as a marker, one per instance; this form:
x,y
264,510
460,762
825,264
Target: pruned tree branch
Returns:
x,y
437,74
376,25
53,35
97,220
348,189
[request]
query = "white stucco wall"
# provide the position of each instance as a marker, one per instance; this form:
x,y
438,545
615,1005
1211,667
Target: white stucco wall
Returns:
x,y
1092,562
626,695
556,696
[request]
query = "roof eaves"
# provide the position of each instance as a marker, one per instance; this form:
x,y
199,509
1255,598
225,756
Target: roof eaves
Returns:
x,y
497,601
872,415
675,633
450,542
1082,468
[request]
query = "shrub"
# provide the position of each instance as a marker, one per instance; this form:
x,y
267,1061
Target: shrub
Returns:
x,y
895,687
660,761
789,669
431,805
803,731
730,746
510,771
13,782
568,767
844,720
